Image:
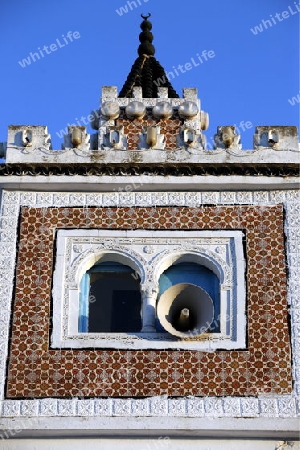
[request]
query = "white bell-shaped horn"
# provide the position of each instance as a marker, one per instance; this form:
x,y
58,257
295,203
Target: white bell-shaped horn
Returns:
x,y
185,310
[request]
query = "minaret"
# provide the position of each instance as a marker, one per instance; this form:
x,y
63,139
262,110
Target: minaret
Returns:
x,y
149,287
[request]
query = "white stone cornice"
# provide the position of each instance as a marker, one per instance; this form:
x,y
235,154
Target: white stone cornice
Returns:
x,y
141,183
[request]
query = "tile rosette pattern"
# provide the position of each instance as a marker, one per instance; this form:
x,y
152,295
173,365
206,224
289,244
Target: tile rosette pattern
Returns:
x,y
37,371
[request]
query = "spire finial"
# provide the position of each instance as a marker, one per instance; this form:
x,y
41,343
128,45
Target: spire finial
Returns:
x,y
146,70
146,37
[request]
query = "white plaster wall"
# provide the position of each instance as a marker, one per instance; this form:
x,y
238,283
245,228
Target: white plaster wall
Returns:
x,y
146,183
147,444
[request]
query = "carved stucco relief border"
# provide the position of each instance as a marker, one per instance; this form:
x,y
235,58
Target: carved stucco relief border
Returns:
x,y
262,406
90,244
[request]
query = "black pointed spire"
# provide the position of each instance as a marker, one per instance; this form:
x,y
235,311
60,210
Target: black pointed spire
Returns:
x,y
146,71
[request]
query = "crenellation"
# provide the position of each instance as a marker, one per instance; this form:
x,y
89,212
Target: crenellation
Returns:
x,y
77,138
138,92
276,137
227,138
190,93
191,138
109,92
29,137
162,92
115,138
153,127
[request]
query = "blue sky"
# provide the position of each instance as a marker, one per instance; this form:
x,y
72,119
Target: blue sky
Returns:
x,y
251,77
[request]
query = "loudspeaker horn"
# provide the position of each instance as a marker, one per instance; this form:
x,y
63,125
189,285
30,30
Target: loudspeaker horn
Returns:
x,y
185,310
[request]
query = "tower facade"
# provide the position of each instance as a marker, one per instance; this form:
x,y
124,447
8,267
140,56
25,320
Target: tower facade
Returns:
x,y
149,285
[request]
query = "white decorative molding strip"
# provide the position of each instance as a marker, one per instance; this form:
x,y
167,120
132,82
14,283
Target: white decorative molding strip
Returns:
x,y
275,406
155,406
145,250
192,199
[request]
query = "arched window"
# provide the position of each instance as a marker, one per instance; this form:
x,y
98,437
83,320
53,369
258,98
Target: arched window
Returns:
x,y
196,274
110,299
137,289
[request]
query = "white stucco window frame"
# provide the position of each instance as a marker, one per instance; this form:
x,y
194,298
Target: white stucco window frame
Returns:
x,y
149,253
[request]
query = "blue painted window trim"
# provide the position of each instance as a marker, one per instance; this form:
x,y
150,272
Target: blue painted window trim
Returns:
x,y
83,318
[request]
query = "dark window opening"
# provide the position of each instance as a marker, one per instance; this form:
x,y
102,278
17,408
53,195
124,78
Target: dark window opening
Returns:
x,y
114,299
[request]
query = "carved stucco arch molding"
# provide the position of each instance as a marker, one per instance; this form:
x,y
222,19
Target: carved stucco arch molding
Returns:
x,y
203,256
89,257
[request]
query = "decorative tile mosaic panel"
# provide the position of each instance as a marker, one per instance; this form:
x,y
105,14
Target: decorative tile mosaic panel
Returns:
x,y
35,370
170,128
